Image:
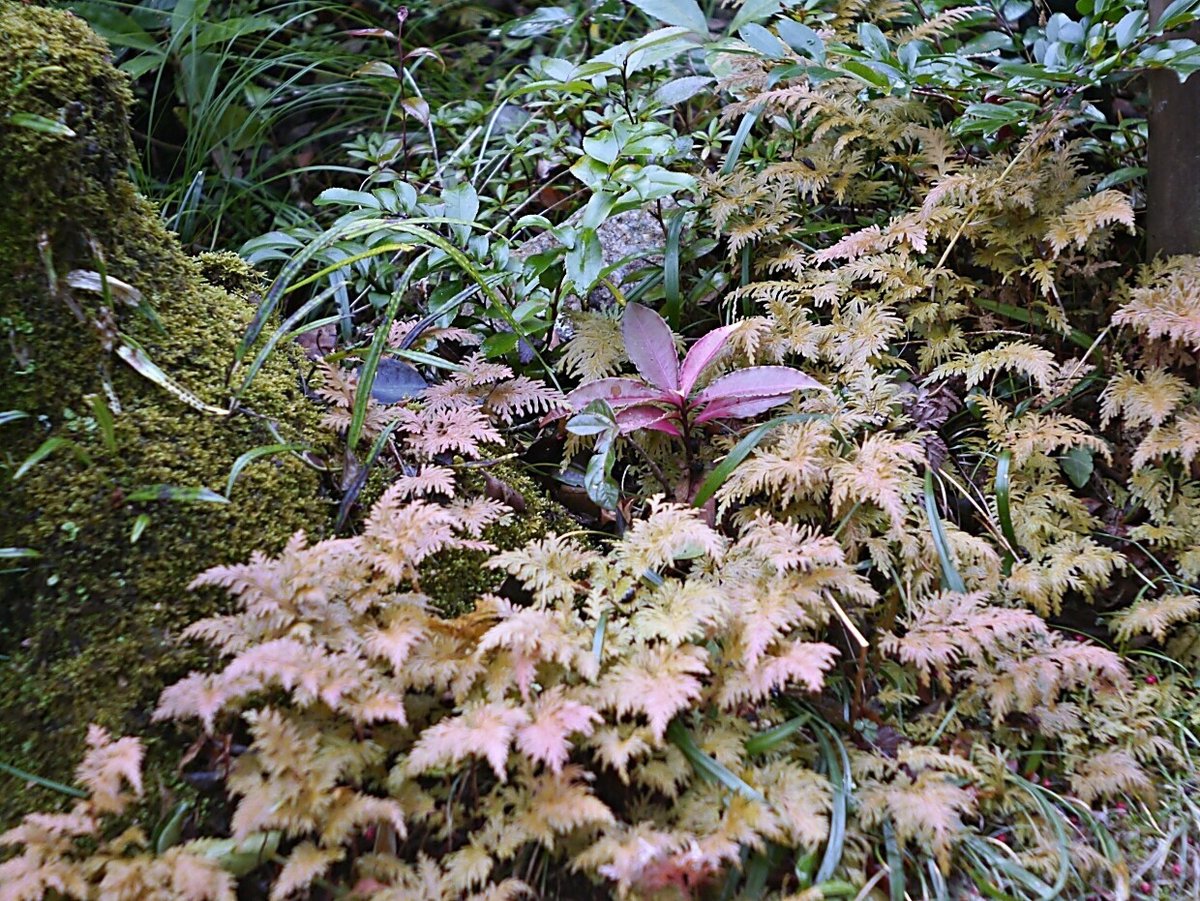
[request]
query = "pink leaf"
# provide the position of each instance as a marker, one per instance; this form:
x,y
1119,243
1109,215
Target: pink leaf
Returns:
x,y
651,346
731,408
757,381
617,391
702,353
648,416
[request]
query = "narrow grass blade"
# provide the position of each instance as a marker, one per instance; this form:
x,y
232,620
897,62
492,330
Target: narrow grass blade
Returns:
x,y
104,419
45,449
17,553
673,308
895,862
765,742
1075,336
12,416
739,140
599,636
843,785
360,477
177,494
741,451
950,577
366,376
998,860
706,766
1003,499
253,454
289,271
416,356
285,330
1054,816
43,782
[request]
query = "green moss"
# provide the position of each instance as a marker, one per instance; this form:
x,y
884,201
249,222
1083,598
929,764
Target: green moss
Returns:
x,y
454,580
90,627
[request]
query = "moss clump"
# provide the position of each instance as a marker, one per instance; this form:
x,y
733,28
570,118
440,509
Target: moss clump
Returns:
x,y
90,626
455,579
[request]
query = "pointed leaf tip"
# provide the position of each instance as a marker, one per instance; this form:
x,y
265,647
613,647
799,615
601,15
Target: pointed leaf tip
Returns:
x,y
703,352
651,346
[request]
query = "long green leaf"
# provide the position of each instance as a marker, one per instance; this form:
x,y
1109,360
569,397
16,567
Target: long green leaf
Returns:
x,y
1075,336
17,553
767,741
45,449
279,334
950,577
741,451
1004,498
673,308
1054,816
843,784
895,862
739,140
43,782
253,454
176,493
706,766
366,376
104,420
12,416
355,487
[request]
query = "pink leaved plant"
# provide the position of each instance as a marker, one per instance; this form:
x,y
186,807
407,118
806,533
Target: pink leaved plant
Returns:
x,y
664,398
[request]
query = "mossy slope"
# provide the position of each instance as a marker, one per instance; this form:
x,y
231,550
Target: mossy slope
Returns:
x,y
89,626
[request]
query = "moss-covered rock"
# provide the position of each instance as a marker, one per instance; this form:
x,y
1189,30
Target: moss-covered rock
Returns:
x,y
89,625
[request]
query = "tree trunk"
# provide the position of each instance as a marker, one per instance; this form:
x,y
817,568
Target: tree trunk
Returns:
x,y
1173,181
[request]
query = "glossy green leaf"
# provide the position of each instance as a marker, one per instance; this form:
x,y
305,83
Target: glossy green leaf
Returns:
x,y
683,13
1078,464
802,39
763,41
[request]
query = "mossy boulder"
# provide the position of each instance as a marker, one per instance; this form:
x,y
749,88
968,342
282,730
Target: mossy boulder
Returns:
x,y
89,626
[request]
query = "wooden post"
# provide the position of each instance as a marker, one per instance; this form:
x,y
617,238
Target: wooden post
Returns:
x,y
1173,180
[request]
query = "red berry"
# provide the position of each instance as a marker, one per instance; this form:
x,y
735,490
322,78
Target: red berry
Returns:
x,y
1002,837
1120,807
1145,888
1046,782
1152,680
1176,870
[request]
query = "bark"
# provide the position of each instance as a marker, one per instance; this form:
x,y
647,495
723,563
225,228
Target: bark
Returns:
x,y
1173,181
